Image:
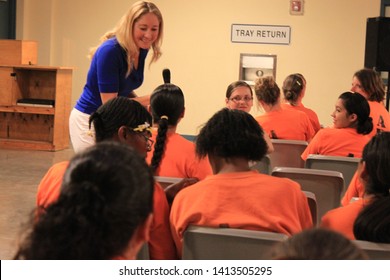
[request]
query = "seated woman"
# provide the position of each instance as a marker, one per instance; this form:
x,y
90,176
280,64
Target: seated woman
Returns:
x,y
374,173
349,134
235,196
172,155
239,96
277,122
126,121
294,89
368,83
104,210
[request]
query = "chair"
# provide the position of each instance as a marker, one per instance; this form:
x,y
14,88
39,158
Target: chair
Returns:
x,y
287,153
312,201
346,165
166,181
206,243
263,166
327,185
375,251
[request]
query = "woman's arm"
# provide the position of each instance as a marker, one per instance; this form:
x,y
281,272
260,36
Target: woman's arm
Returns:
x,y
144,100
107,96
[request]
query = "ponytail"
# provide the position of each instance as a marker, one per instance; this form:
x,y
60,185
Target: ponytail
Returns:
x,y
159,147
365,127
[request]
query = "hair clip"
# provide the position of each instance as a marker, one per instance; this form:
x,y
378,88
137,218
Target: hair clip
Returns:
x,y
164,117
143,127
299,83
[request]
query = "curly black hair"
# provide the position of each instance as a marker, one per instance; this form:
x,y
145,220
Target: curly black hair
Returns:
x,y
232,133
107,192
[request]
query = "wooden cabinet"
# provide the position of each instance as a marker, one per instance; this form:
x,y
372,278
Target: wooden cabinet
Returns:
x,y
35,127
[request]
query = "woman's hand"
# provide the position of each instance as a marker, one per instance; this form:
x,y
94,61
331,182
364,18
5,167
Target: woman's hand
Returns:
x,y
173,189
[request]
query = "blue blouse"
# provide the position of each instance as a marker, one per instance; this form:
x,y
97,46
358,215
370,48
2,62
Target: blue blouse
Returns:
x,y
107,73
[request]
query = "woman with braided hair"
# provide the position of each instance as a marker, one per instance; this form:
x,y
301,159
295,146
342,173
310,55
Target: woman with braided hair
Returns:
x,y
126,121
172,154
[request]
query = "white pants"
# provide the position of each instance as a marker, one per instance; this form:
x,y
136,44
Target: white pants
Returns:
x,y
80,135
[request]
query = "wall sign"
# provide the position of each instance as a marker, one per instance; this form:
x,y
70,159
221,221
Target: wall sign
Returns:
x,y
261,34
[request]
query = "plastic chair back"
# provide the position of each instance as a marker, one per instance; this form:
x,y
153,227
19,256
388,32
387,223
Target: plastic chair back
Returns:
x,y
375,251
327,185
346,165
206,243
287,153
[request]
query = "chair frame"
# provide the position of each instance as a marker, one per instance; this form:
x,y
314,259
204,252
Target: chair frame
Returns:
x,y
308,179
312,201
335,163
263,166
287,153
374,250
167,181
207,243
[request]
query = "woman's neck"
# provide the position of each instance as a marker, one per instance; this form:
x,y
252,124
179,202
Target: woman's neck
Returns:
x,y
171,128
272,108
223,165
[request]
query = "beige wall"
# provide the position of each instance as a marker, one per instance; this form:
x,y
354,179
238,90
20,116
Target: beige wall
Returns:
x,y
327,45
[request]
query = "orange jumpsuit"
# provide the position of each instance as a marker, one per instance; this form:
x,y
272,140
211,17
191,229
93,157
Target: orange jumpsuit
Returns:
x,y
342,219
161,245
337,142
287,124
380,117
179,159
309,112
247,200
355,189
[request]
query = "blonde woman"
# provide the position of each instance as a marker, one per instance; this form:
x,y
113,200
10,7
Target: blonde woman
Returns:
x,y
117,66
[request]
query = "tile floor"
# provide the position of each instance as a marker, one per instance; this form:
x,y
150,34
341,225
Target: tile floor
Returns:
x,y
20,174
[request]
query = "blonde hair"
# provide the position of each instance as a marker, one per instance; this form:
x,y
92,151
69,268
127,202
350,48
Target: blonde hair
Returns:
x,y
125,27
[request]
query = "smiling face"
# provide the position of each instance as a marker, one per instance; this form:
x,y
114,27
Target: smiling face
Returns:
x,y
240,99
146,30
341,117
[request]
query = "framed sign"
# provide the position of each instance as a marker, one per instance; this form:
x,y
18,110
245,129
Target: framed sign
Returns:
x,y
253,66
261,34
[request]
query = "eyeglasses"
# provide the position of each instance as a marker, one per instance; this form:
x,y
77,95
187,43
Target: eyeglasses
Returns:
x,y
141,132
237,99
149,142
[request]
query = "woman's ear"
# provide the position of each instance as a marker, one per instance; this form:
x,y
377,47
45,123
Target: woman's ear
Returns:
x,y
353,117
123,134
